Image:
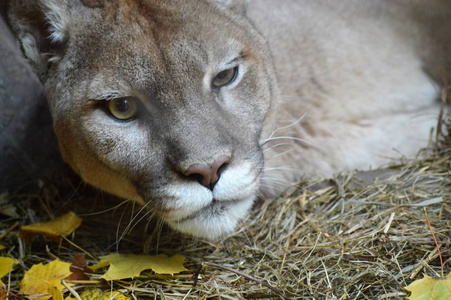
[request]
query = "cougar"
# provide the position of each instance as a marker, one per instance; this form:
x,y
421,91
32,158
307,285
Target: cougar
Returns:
x,y
194,108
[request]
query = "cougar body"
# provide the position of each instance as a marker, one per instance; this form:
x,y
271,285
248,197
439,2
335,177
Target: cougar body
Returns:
x,y
192,107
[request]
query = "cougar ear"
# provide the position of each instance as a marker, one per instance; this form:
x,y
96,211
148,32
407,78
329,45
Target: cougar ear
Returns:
x,y
41,26
238,6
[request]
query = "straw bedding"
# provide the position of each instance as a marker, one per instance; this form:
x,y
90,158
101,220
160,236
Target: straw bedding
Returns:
x,y
357,236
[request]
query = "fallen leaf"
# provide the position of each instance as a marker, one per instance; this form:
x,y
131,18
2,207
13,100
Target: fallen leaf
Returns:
x,y
6,208
9,211
100,265
78,268
55,293
54,229
97,294
3,294
130,266
2,247
41,277
429,288
6,265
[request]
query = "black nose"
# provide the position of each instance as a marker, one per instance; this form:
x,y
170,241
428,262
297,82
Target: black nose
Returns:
x,y
208,174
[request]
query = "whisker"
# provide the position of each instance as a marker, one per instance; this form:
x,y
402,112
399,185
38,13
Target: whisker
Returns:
x,y
119,227
274,146
133,222
106,210
288,138
276,188
288,126
282,153
130,227
160,225
275,180
74,193
282,168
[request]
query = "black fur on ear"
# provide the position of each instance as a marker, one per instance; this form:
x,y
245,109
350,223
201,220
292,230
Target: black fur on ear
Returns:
x,y
41,26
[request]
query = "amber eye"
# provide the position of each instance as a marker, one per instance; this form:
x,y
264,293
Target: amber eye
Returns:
x,y
123,108
225,77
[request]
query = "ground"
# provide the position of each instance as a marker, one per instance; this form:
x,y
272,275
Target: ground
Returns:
x,y
357,236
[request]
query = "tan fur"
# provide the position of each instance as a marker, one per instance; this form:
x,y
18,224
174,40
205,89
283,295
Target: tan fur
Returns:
x,y
364,74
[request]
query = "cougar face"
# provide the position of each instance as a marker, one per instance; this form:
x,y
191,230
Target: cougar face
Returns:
x,y
168,102
162,105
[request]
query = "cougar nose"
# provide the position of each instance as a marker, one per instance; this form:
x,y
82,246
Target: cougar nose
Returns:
x,y
208,174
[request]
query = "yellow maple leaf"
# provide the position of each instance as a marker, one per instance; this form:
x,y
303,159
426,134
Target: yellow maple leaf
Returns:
x,y
40,278
6,265
429,288
100,265
55,293
97,294
54,229
130,266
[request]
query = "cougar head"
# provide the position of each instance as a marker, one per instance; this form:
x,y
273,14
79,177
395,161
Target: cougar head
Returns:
x,y
160,102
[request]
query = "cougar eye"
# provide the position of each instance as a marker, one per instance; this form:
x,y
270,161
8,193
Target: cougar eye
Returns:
x,y
225,77
123,108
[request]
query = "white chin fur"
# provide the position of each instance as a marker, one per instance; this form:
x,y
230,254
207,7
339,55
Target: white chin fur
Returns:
x,y
214,221
197,211
236,183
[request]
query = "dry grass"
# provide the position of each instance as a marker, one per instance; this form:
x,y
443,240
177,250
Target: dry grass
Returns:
x,y
358,236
